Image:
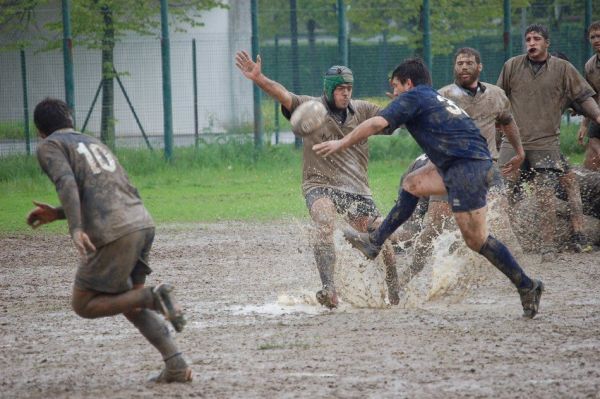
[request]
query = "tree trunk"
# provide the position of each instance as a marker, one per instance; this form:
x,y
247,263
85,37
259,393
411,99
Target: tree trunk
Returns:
x,y
107,122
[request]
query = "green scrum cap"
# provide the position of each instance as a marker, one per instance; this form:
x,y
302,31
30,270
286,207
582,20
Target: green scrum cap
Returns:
x,y
335,76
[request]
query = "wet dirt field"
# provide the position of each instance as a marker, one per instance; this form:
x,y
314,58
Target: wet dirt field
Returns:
x,y
254,330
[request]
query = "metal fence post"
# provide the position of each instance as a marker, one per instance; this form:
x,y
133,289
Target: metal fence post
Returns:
x,y
68,57
342,34
258,131
295,61
426,35
507,34
25,103
195,80
166,79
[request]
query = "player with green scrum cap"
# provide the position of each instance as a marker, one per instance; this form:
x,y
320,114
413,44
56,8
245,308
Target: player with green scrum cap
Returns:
x,y
337,184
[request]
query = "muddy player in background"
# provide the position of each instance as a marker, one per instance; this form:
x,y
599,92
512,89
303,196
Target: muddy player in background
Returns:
x,y
588,127
112,231
337,184
538,86
461,167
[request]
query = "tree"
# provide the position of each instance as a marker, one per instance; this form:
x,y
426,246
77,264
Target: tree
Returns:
x,y
97,24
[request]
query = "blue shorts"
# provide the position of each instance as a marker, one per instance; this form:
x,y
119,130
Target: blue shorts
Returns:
x,y
467,182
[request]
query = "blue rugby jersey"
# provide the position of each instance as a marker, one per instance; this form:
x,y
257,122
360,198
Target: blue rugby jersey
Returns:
x,y
443,130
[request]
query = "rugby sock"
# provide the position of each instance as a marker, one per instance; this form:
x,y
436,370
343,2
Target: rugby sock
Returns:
x,y
404,207
155,330
325,258
500,256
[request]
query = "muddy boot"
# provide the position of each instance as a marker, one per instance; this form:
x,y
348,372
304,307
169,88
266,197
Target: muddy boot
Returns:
x,y
530,299
328,297
165,304
580,243
362,242
168,376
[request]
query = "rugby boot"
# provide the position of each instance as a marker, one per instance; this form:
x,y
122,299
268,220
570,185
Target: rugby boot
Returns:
x,y
362,242
168,376
530,298
327,297
580,243
165,304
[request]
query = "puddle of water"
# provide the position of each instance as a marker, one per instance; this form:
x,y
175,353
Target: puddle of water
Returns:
x,y
285,304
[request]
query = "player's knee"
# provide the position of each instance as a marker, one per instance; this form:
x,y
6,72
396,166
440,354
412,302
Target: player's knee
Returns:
x,y
474,241
82,309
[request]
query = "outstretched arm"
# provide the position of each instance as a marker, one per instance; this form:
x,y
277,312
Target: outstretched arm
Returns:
x,y
362,132
253,71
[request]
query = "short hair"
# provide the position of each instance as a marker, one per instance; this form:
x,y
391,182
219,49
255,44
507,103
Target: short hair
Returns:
x,y
594,26
468,51
413,69
539,28
52,114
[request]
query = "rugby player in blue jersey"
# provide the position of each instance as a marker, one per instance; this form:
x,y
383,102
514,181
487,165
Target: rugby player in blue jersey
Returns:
x,y
460,167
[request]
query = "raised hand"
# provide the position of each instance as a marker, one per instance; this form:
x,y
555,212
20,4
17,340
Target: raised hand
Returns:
x,y
249,68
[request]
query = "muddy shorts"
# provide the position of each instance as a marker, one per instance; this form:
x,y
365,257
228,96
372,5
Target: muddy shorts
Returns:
x,y
467,183
537,160
117,266
353,205
594,130
496,184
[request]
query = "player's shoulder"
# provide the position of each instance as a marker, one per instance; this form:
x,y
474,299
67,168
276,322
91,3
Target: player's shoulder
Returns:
x,y
492,89
515,61
592,63
450,90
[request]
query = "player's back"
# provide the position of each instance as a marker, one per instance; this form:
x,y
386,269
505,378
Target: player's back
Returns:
x,y
444,131
110,206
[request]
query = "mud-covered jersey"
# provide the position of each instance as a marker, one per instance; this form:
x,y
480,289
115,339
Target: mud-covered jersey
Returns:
x,y
94,190
592,74
537,99
488,107
443,130
344,170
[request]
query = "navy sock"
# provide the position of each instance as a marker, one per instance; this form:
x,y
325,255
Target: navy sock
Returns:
x,y
404,207
500,256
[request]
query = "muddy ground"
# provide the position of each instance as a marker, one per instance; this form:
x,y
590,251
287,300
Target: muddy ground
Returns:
x,y
254,330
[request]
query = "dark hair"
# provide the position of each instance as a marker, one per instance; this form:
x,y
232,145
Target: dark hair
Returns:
x,y
52,114
468,51
541,29
594,26
413,69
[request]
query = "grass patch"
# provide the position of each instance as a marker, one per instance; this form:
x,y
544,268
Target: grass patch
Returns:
x,y
231,181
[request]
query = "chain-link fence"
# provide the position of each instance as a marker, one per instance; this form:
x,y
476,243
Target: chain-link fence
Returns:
x,y
222,104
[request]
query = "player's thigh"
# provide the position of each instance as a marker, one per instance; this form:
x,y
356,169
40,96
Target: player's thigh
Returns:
x,y
473,227
424,182
468,182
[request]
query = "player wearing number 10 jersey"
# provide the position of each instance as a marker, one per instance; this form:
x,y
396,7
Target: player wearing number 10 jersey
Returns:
x,y
111,229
